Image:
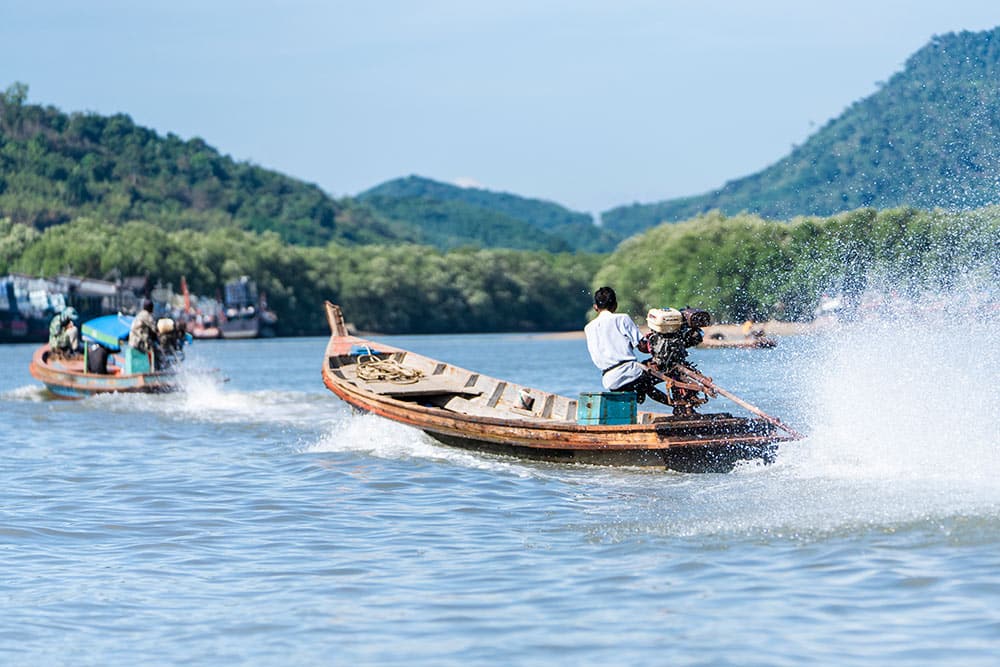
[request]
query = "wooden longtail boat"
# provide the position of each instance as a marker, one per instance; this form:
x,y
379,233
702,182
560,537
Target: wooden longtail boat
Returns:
x,y
125,370
68,378
466,409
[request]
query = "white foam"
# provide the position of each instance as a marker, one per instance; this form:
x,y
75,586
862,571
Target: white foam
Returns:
x,y
908,396
385,439
206,401
31,392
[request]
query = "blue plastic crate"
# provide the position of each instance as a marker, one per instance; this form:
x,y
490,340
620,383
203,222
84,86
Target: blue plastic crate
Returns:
x,y
135,361
610,407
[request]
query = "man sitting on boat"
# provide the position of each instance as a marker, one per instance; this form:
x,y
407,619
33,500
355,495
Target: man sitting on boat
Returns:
x,y
142,335
612,340
64,337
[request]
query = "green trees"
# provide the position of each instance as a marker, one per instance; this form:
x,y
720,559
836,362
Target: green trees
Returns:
x,y
391,289
737,267
745,267
56,167
447,216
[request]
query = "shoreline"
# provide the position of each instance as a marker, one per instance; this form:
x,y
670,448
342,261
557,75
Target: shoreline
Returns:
x,y
723,331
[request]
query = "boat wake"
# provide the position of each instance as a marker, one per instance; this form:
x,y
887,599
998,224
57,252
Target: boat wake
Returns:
x,y
907,394
205,400
381,438
31,392
904,425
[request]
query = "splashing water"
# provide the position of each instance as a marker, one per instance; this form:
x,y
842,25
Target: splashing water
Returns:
x,y
910,395
206,400
32,392
904,427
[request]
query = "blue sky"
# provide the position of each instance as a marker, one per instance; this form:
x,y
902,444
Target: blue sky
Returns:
x,y
589,104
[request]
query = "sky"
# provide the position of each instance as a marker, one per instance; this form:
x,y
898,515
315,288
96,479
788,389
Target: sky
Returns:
x,y
588,104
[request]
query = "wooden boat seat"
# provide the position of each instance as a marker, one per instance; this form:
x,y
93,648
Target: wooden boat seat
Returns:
x,y
464,406
433,385
76,365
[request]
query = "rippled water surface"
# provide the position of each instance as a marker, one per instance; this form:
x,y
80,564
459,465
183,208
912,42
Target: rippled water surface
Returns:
x,y
261,522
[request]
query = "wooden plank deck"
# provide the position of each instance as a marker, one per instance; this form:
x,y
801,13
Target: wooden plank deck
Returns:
x,y
427,386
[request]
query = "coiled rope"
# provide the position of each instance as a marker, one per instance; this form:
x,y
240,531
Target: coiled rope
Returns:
x,y
372,369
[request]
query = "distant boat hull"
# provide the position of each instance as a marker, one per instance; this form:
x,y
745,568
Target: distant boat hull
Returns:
x,y
204,333
240,328
755,343
473,411
68,379
17,329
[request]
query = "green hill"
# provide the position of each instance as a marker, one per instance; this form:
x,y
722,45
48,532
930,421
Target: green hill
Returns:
x,y
455,224
449,216
56,166
930,137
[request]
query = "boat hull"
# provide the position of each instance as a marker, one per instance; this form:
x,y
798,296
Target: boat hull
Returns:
x,y
465,409
236,329
699,458
67,379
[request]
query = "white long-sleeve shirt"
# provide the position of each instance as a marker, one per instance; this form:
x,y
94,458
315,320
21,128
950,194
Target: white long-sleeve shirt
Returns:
x,y
612,339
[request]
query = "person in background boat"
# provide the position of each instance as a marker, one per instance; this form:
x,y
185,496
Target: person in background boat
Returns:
x,y
142,335
64,337
612,340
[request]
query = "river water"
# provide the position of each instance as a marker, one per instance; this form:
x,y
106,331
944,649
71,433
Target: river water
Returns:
x,y
261,522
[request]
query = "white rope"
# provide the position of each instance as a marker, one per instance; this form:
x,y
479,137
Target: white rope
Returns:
x,y
372,369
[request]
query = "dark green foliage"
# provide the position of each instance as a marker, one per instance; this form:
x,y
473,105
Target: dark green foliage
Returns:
x,y
739,267
397,289
449,216
55,167
455,224
930,137
745,267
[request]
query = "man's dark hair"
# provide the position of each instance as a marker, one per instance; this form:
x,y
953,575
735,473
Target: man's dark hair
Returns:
x,y
147,305
606,299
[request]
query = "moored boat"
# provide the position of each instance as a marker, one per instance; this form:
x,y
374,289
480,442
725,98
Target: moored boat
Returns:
x,y
747,343
108,364
467,409
245,313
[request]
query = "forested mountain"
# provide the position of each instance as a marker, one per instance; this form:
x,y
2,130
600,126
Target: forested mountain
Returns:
x,y
455,224
930,137
449,216
56,166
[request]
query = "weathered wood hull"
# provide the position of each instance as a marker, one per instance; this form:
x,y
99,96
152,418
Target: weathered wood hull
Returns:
x,y
466,409
68,379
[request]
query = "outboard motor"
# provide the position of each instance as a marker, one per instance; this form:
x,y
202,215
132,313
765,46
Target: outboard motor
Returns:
x,y
672,332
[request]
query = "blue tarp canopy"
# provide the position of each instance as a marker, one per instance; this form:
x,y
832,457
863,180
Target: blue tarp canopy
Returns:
x,y
108,330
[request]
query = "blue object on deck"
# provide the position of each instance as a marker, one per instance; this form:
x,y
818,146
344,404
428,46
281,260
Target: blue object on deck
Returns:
x,y
363,349
610,407
108,330
135,361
